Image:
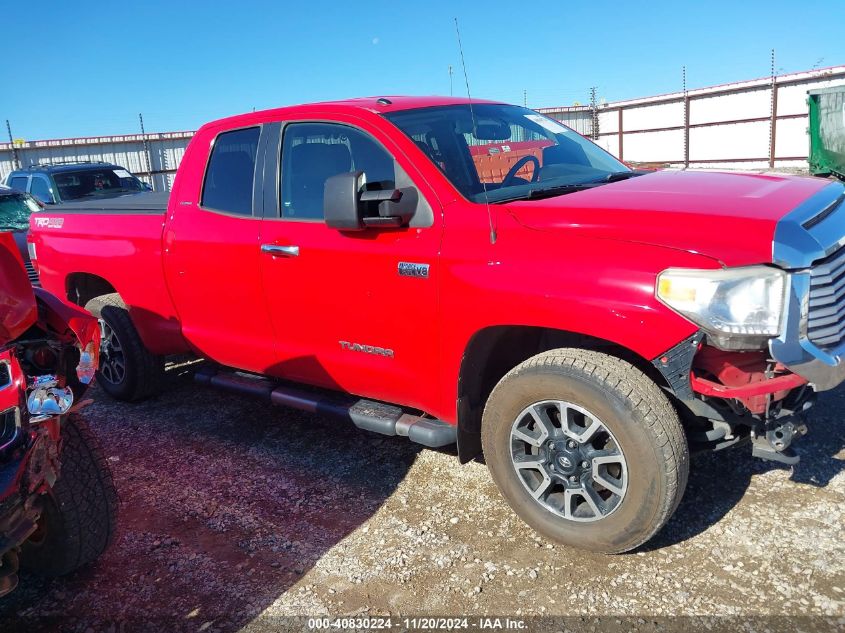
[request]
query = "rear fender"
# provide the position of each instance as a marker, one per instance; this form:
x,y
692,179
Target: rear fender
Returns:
x,y
17,305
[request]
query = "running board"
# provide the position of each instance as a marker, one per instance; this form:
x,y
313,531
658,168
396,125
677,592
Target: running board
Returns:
x,y
368,415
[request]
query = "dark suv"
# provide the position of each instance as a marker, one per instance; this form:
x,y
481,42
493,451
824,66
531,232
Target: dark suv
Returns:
x,y
54,183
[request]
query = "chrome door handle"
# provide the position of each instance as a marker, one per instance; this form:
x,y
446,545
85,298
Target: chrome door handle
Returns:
x,y
280,251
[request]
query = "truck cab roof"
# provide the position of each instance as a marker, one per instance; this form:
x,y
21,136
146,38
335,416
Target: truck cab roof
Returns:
x,y
67,166
375,104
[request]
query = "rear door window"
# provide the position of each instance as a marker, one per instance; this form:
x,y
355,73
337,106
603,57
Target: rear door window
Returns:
x,y
18,182
41,190
230,174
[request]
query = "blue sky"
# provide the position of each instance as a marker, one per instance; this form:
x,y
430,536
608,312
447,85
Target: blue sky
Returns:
x,y
88,68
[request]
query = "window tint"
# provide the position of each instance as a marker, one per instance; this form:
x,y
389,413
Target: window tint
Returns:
x,y
314,152
41,190
97,182
18,182
230,173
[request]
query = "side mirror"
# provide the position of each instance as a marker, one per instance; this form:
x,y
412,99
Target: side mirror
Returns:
x,y
341,201
347,208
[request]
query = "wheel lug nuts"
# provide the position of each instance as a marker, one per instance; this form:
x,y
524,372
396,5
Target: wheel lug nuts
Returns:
x,y
571,444
585,464
573,478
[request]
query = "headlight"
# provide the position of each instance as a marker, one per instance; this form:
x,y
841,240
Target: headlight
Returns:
x,y
727,303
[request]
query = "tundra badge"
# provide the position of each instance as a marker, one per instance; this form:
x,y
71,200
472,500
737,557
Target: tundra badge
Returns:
x,y
408,269
367,349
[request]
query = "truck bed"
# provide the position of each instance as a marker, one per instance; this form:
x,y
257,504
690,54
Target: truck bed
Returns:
x,y
134,204
115,241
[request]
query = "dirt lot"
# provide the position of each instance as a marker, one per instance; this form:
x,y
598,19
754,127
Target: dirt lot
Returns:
x,y
233,514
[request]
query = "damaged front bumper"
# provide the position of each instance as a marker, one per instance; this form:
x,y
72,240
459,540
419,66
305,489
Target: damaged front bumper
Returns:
x,y
729,396
732,396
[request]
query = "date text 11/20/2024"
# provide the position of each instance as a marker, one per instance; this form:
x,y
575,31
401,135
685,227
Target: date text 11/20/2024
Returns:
x,y
423,623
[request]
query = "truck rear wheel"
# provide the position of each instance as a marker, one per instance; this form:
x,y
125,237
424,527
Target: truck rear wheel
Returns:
x,y
586,449
80,514
127,370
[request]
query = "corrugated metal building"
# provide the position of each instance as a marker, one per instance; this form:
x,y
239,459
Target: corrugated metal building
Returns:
x,y
153,157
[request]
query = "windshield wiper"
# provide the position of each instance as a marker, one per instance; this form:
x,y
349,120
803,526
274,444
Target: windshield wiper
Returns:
x,y
538,193
559,190
616,176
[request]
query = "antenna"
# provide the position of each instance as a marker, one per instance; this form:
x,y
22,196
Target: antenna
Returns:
x,y
16,163
147,154
475,132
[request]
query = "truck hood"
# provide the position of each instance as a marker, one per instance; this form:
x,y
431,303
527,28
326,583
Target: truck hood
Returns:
x,y
728,216
17,300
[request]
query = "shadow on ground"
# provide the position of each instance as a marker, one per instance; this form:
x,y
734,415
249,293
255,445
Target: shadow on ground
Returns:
x,y
719,480
225,503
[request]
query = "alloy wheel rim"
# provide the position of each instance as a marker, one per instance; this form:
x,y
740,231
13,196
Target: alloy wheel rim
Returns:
x,y
112,359
568,460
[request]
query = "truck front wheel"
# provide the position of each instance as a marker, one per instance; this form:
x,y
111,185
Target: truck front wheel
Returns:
x,y
80,513
127,371
586,449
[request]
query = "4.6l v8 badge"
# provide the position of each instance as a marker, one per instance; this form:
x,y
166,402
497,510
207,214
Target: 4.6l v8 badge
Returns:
x,y
408,269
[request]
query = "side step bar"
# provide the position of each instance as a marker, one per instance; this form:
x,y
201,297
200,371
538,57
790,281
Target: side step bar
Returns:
x,y
368,415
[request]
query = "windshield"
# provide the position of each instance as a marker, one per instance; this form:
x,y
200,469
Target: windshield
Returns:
x,y
509,151
15,210
95,182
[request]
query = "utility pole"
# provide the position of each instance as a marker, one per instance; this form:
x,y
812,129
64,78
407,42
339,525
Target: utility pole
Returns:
x,y
595,114
15,161
525,98
686,117
147,155
774,115
451,93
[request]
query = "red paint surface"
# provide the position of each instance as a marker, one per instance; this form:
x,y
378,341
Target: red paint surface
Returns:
x,y
17,301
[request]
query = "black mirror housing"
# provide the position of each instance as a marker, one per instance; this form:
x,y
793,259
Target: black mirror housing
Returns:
x,y
342,207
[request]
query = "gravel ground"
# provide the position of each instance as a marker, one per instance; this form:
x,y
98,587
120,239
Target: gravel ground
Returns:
x,y
233,514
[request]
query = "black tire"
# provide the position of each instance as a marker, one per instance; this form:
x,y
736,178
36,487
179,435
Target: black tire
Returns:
x,y
143,372
80,514
642,421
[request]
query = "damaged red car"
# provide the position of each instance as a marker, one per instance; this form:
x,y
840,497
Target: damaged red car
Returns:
x,y
58,503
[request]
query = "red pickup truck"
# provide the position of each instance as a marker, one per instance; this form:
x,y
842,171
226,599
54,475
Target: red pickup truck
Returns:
x,y
475,272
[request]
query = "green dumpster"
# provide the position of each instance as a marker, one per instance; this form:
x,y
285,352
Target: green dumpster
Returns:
x,y
827,131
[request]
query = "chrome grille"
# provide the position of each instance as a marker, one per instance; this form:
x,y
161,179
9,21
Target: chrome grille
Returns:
x,y
32,274
826,325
